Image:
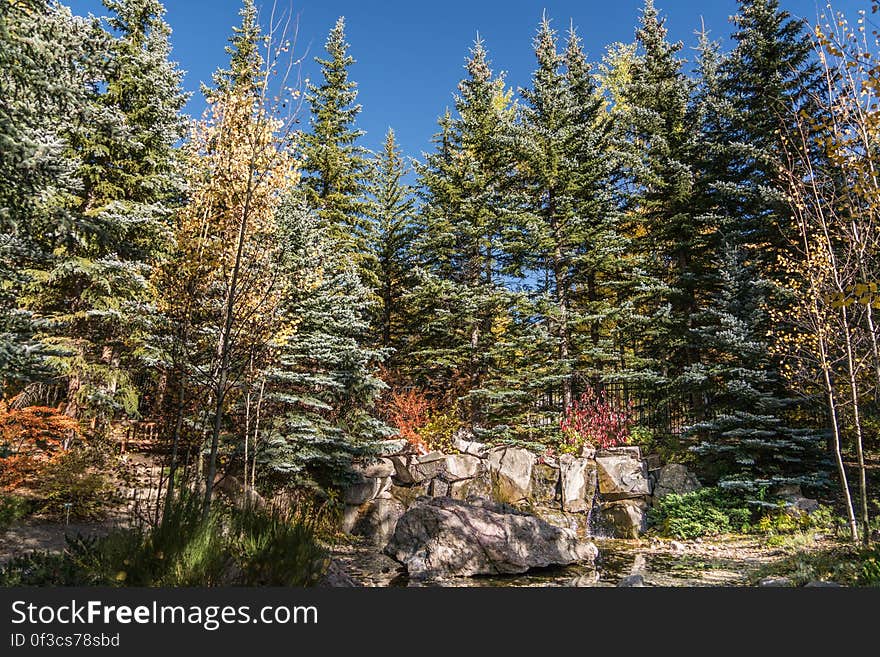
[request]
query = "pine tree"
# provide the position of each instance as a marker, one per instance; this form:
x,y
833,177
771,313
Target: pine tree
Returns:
x,y
747,443
392,210
334,165
93,290
461,294
568,239
770,76
323,387
45,56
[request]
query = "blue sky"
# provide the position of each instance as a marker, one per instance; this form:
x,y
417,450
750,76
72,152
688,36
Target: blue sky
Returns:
x,y
410,55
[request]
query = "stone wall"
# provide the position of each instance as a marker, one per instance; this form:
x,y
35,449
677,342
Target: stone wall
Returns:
x,y
565,491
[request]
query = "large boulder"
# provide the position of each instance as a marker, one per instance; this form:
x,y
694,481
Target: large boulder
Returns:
x,y
376,520
577,483
545,485
675,478
511,470
461,466
626,518
366,490
622,476
411,469
443,537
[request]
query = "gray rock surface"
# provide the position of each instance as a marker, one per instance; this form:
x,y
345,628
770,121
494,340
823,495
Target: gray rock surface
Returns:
x,y
577,483
444,537
675,478
621,476
627,518
511,470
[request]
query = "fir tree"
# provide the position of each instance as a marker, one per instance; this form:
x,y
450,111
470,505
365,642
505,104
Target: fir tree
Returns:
x,y
392,210
335,166
747,442
461,293
45,54
323,387
568,239
770,76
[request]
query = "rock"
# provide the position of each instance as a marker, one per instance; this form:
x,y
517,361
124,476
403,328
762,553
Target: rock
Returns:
x,y
632,581
577,522
364,491
460,490
481,485
511,470
678,547
627,518
545,485
463,441
336,577
775,581
621,476
652,462
382,467
349,517
675,478
577,483
462,466
588,451
376,520
821,584
412,469
390,447
631,451
794,499
407,495
438,488
444,537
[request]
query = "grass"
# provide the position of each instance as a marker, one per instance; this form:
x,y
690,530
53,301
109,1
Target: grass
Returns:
x,y
807,558
230,548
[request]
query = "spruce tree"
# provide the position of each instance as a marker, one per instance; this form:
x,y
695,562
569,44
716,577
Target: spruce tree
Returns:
x,y
770,75
568,239
747,443
392,210
323,387
661,223
461,295
45,54
335,167
114,216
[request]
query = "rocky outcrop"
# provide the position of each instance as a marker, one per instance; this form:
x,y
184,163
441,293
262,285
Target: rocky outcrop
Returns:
x,y
560,490
626,518
511,472
622,474
675,478
444,537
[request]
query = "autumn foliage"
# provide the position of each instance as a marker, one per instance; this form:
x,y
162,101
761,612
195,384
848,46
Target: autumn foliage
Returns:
x,y
30,439
408,411
593,419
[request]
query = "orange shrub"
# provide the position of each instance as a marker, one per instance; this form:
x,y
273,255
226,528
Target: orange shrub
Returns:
x,y
407,411
30,438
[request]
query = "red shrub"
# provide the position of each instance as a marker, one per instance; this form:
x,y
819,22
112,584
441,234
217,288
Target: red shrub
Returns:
x,y
30,439
408,411
594,419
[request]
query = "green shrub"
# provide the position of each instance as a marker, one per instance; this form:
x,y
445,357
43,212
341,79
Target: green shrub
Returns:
x,y
703,512
870,572
76,483
13,509
230,547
